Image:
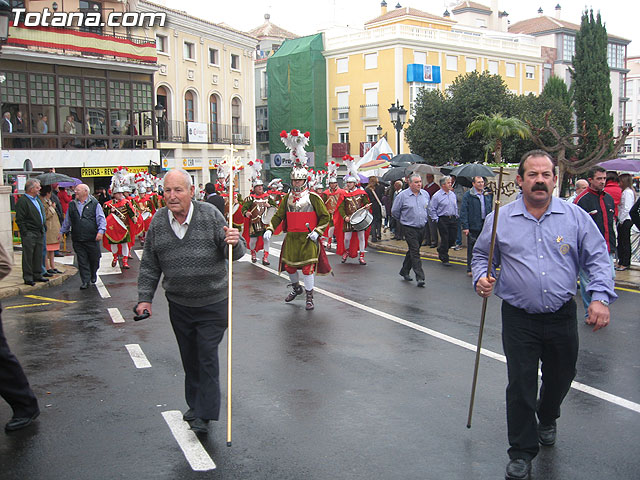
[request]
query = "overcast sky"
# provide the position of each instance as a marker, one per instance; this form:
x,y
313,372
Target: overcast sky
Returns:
x,y
304,17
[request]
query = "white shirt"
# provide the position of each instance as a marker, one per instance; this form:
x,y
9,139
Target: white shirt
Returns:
x,y
180,229
626,202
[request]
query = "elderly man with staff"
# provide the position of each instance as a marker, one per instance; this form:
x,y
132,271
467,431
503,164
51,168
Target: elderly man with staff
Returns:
x,y
541,242
188,242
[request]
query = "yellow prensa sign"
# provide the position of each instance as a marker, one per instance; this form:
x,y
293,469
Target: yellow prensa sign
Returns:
x,y
107,171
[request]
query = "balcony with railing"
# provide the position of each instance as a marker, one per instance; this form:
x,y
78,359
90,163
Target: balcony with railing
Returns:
x,y
175,131
73,41
369,112
340,114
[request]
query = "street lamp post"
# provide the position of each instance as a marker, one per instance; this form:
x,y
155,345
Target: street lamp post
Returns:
x,y
398,116
379,129
158,111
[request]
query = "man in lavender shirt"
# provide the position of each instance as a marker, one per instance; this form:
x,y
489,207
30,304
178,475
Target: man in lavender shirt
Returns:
x,y
443,209
541,243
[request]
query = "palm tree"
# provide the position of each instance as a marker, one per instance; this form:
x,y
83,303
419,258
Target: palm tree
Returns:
x,y
495,129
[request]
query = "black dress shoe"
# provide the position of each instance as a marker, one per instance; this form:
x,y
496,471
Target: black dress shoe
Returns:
x,y
44,280
47,274
518,469
421,283
29,282
406,278
16,423
189,415
51,271
547,434
94,279
446,264
55,270
84,286
200,425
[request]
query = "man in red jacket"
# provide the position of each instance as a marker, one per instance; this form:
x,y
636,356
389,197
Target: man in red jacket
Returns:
x,y
612,187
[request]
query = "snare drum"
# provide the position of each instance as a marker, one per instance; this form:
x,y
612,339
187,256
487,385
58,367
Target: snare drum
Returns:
x,y
361,219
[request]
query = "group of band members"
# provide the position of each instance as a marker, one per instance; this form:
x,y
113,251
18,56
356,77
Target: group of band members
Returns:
x,y
134,201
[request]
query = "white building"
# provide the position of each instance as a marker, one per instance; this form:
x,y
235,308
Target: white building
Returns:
x,y
632,119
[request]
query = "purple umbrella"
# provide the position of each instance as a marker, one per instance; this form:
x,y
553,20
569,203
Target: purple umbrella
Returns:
x,y
622,164
75,182
363,178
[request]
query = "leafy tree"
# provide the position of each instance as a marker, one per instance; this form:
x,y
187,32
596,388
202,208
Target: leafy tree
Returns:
x,y
556,88
495,129
591,81
430,131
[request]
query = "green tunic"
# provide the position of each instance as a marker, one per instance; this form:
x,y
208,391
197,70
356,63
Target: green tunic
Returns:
x,y
297,249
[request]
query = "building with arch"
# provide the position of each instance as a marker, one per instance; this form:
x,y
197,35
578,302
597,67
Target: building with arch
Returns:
x,y
205,84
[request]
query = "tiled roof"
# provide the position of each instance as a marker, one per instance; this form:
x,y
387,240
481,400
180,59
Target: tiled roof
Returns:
x,y
408,12
473,5
268,29
545,24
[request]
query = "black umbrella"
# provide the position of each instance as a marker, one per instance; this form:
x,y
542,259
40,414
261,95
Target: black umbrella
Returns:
x,y
422,169
406,159
393,174
464,181
52,177
472,170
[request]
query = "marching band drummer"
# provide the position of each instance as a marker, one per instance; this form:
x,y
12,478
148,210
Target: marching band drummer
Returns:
x,y
253,208
353,198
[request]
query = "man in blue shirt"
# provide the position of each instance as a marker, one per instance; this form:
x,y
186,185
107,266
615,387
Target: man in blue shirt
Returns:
x,y
30,219
541,243
443,209
410,209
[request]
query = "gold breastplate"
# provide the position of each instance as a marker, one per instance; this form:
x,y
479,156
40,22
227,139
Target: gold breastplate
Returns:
x,y
351,204
300,202
331,203
259,207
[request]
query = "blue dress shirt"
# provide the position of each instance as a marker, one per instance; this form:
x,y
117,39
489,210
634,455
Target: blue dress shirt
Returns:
x,y
38,205
443,205
410,208
540,259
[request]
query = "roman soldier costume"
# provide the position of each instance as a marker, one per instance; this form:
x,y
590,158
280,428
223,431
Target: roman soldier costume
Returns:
x,y
120,215
354,198
305,218
254,209
332,197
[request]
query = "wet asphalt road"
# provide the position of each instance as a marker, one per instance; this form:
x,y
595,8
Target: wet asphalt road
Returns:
x,y
340,392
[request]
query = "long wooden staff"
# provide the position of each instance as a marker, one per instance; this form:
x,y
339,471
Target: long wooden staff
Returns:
x,y
230,299
484,300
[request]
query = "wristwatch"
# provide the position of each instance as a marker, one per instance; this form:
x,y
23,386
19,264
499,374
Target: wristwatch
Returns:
x,y
604,302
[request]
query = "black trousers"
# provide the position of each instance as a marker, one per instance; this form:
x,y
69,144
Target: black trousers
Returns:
x,y
471,241
448,230
551,338
412,260
431,233
199,330
32,245
14,386
88,257
624,243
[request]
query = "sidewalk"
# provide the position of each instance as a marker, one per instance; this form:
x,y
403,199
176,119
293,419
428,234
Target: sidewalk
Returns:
x,y
627,279
13,284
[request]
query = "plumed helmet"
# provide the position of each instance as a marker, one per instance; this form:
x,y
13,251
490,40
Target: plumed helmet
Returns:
x,y
299,173
350,178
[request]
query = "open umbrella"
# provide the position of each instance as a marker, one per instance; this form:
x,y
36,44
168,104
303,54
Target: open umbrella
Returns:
x,y
422,169
75,182
393,174
472,170
406,159
622,164
52,177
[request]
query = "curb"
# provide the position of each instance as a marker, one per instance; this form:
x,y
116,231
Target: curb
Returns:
x,y
22,289
394,249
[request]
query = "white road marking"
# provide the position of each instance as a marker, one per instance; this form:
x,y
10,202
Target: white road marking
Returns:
x,y
105,265
138,356
115,314
608,397
66,260
193,450
139,253
102,290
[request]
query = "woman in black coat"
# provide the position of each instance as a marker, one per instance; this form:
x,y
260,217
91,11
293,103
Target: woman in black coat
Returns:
x,y
375,191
